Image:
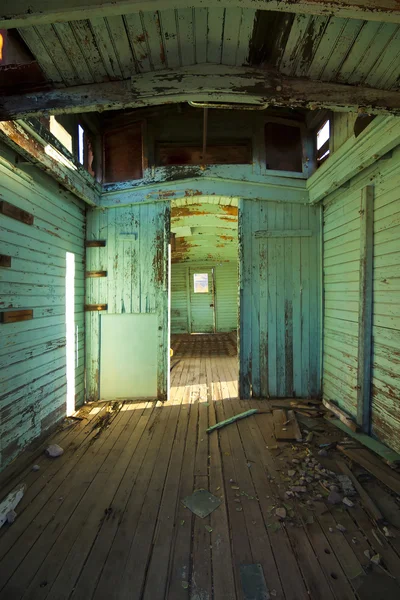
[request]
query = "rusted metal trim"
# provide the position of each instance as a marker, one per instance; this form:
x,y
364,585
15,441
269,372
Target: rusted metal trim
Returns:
x,y
96,274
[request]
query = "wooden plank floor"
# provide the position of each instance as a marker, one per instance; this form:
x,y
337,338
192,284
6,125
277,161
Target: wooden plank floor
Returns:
x,y
105,520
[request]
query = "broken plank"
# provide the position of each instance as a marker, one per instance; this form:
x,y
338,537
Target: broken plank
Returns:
x,y
346,419
375,466
232,419
367,502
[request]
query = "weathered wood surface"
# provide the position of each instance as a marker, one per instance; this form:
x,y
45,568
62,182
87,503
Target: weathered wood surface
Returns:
x,y
32,352
22,14
135,258
203,83
280,321
121,516
342,290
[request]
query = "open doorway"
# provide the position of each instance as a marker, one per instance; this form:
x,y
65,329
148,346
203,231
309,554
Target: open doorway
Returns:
x,y
204,293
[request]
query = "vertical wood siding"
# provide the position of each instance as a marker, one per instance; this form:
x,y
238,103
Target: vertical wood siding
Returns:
x,y
341,293
226,296
135,258
279,305
33,353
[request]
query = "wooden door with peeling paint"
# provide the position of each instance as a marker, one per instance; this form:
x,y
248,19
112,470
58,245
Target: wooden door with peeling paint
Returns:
x,y
280,274
135,259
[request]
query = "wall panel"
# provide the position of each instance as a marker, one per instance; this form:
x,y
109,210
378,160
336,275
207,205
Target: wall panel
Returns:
x,y
279,304
226,295
341,292
135,258
33,381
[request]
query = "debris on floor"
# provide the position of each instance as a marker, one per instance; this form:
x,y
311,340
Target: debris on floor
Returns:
x,y
253,583
9,503
54,450
35,468
202,503
232,419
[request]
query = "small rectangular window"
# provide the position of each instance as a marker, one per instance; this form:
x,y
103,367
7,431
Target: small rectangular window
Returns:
x,y
200,283
61,133
323,136
283,147
81,144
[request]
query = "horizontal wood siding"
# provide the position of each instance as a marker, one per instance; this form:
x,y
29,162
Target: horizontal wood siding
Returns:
x,y
341,298
341,292
179,299
386,307
135,258
227,296
279,305
33,353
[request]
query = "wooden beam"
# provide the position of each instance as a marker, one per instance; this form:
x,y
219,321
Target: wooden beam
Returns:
x,y
14,316
380,137
12,211
364,358
25,13
216,83
48,158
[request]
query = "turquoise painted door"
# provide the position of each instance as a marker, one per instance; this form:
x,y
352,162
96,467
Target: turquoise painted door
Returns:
x,y
279,300
201,300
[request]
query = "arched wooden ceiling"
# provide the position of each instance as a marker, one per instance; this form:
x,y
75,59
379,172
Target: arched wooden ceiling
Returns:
x,y
205,231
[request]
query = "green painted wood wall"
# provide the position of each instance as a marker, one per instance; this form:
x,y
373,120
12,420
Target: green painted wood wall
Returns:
x,y
33,382
341,296
135,258
183,309
279,300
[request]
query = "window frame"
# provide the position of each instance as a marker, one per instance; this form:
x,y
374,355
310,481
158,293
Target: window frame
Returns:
x,y
303,174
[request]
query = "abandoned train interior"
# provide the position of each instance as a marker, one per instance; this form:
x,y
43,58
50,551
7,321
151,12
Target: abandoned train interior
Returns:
x,y
200,299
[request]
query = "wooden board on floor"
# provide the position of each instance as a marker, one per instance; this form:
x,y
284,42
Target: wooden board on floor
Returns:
x,y
374,465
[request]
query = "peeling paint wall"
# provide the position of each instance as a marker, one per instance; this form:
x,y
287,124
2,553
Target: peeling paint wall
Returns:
x,y
33,383
341,289
279,299
135,258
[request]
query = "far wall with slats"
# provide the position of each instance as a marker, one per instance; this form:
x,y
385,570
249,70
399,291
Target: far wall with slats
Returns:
x,y
33,382
341,293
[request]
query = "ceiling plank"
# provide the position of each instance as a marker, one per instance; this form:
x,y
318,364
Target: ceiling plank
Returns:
x,y
24,13
204,83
